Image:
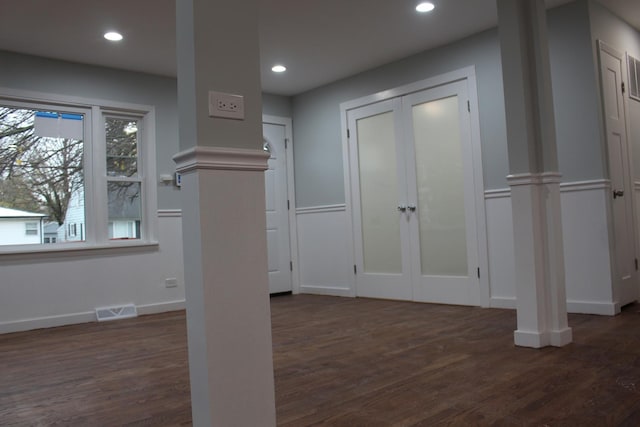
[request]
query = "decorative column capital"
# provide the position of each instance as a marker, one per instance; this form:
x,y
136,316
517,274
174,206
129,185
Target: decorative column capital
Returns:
x,y
221,158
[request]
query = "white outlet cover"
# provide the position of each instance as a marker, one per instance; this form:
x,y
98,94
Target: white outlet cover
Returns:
x,y
226,105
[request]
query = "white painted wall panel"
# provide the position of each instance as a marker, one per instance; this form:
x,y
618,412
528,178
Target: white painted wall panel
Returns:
x,y
500,246
586,250
324,261
59,290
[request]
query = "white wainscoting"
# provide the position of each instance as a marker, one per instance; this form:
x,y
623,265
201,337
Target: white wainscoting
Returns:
x,y
323,257
55,291
585,241
502,273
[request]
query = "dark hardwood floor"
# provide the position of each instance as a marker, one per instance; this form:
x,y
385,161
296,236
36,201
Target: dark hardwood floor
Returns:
x,y
338,362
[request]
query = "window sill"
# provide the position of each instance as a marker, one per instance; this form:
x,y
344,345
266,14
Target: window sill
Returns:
x,y
66,250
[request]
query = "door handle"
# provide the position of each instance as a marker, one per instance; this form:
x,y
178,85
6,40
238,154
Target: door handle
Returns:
x,y
412,208
618,193
402,208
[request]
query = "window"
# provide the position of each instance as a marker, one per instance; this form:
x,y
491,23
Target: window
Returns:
x,y
85,167
124,187
31,228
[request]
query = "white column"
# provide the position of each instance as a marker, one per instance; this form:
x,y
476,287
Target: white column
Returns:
x,y
223,210
534,178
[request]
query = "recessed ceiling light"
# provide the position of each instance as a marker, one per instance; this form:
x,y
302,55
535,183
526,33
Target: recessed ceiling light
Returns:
x,y
113,36
278,68
425,7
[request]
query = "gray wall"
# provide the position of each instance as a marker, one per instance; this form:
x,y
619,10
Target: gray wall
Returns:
x,y
618,34
317,134
71,79
575,93
276,105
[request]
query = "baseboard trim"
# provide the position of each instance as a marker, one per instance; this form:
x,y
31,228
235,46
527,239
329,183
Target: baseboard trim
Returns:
x,y
47,322
503,302
326,290
83,317
161,307
593,307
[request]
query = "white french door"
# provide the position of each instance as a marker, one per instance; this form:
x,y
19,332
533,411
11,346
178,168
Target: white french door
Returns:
x,y
413,202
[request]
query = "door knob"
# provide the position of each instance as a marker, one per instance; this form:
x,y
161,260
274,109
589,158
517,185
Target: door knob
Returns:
x,y
618,193
402,208
411,208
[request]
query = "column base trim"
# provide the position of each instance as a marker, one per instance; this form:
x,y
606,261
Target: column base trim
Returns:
x,y
531,339
561,337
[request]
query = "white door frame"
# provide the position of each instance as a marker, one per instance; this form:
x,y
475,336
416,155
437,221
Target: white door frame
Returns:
x,y
291,195
468,74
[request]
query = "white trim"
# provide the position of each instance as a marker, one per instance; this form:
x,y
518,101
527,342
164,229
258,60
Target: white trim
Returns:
x,y
161,307
565,187
321,209
291,194
596,184
47,322
82,317
169,213
503,302
593,307
499,193
220,158
636,185
450,77
72,101
326,290
534,178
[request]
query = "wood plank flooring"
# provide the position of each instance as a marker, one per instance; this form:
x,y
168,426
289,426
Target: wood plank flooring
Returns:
x,y
338,362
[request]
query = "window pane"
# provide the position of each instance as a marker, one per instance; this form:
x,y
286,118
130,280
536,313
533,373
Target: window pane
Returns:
x,y
122,147
125,210
41,175
443,233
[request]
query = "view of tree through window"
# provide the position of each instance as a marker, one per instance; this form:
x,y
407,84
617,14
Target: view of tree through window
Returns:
x,y
123,180
41,172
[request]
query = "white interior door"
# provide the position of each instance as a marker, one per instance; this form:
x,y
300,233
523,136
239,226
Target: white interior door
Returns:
x,y
444,245
413,199
622,203
279,252
378,193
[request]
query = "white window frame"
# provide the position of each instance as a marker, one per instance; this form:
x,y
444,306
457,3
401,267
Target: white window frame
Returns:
x,y
29,226
94,169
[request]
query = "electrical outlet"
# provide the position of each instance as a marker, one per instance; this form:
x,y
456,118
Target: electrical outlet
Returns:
x,y
171,282
226,105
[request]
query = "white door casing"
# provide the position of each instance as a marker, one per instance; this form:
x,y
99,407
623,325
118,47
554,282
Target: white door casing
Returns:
x,y
280,260
407,281
612,78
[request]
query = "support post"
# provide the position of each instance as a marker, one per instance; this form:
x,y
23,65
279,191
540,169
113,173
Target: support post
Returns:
x,y
534,177
223,216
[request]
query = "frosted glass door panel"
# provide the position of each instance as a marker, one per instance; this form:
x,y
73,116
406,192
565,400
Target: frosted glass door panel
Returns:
x,y
440,185
381,244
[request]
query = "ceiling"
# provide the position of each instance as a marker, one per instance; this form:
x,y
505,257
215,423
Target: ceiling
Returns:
x,y
319,41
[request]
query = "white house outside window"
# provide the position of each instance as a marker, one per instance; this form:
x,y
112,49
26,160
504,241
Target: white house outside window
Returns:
x,y
85,168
